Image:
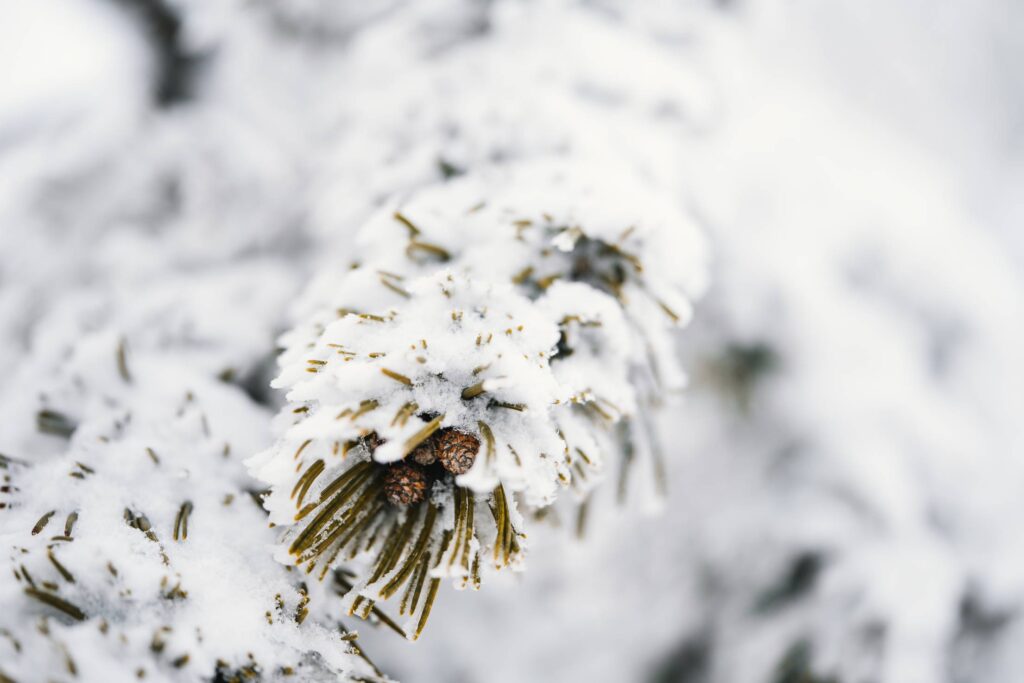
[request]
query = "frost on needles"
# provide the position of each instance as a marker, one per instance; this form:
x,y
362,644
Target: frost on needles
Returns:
x,y
494,341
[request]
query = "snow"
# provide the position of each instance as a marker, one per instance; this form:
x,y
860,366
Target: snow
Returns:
x,y
835,186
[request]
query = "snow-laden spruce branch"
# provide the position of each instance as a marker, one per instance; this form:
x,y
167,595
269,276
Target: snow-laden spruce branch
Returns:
x,y
495,340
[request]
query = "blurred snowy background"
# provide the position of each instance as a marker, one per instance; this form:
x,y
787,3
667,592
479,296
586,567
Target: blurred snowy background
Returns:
x,y
846,471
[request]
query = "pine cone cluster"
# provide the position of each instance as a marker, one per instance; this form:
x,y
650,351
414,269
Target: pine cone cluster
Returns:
x,y
407,482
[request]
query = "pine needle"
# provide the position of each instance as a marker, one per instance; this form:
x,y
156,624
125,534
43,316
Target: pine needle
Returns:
x,y
423,434
43,521
413,230
398,377
428,603
57,603
306,481
181,521
61,569
122,361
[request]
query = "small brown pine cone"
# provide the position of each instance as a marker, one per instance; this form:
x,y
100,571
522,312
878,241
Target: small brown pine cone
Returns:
x,y
405,484
425,453
456,450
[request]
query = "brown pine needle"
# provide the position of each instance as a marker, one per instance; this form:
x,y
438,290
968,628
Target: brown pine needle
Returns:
x,y
61,569
581,518
404,413
394,288
509,406
302,448
122,361
440,253
57,603
473,391
488,435
523,275
306,481
446,539
414,586
475,571
413,230
500,512
43,521
364,408
669,312
423,434
181,521
428,603
346,587
460,516
69,524
468,530
398,377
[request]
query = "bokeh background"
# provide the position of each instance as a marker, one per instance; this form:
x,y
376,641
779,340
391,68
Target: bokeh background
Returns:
x,y
846,470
